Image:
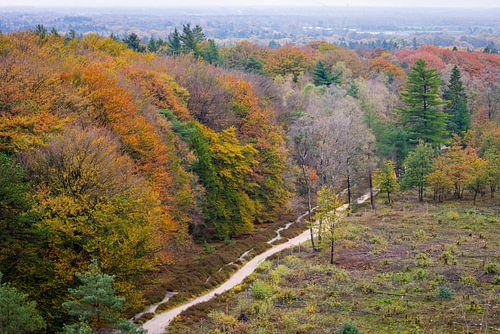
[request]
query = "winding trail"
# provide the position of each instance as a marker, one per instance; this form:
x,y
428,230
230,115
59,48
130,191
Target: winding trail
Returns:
x,y
158,324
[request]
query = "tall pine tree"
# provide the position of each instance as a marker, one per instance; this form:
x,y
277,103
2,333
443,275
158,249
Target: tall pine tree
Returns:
x,y
321,74
458,114
174,43
421,116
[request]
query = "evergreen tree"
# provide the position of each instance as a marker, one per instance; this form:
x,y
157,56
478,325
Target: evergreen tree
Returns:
x,y
17,314
210,53
41,31
134,43
458,114
321,74
253,65
417,166
153,45
421,117
174,43
190,38
353,89
95,304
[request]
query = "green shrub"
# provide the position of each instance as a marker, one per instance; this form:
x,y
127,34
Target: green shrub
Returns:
x,y
348,328
444,293
207,248
468,280
491,268
261,290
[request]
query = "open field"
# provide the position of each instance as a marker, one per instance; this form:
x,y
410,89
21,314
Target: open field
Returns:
x,y
410,268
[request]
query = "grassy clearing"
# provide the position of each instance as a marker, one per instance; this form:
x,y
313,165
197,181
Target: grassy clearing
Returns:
x,y
409,268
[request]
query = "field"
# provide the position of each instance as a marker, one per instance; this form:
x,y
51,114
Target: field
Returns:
x,y
407,268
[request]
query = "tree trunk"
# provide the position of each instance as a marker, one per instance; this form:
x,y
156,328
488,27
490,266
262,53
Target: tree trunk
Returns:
x,y
372,200
309,207
320,229
420,193
331,251
475,196
389,197
348,194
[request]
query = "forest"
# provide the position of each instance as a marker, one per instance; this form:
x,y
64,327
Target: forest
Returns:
x,y
120,160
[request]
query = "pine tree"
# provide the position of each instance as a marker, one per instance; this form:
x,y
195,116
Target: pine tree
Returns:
x,y
210,53
190,38
95,304
17,314
421,117
417,166
458,114
321,74
174,43
134,43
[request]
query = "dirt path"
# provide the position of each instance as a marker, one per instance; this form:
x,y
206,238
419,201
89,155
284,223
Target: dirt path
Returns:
x,y
158,324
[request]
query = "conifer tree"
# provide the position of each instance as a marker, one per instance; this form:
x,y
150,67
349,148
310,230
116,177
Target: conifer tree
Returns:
x,y
96,306
210,53
458,114
174,43
17,314
417,166
321,74
421,116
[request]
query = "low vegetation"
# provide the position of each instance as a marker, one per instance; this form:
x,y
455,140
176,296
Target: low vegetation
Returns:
x,y
406,268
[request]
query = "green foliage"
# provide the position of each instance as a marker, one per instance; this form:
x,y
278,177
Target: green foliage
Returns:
x,y
191,38
421,117
252,65
261,290
133,42
16,231
174,43
348,328
491,268
95,304
322,76
210,53
385,180
18,315
417,166
458,115
223,166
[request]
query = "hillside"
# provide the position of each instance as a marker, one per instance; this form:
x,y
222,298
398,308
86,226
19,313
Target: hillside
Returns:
x,y
149,170
409,268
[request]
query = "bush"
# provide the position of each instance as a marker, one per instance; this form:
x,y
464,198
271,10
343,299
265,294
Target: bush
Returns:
x,y
491,268
348,328
444,293
261,290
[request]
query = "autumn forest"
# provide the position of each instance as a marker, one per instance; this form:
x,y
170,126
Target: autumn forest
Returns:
x,y
140,166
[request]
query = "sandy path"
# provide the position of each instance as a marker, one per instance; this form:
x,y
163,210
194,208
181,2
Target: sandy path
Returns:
x,y
158,324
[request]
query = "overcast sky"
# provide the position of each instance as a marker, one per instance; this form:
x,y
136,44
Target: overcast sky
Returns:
x,y
236,3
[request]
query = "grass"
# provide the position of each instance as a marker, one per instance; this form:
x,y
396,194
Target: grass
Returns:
x,y
406,268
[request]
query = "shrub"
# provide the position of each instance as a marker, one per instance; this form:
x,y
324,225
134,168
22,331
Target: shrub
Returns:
x,y
468,280
491,268
444,293
348,328
261,290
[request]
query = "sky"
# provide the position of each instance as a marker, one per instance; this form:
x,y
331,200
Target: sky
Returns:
x,y
238,3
